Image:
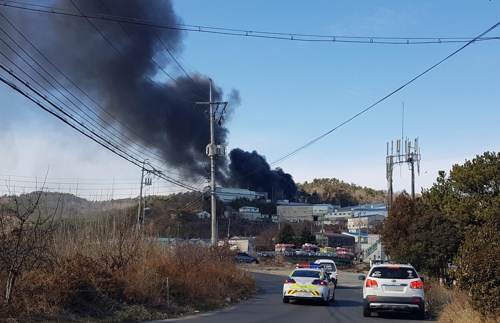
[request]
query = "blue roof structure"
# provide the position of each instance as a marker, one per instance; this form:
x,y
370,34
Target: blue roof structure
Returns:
x,y
351,233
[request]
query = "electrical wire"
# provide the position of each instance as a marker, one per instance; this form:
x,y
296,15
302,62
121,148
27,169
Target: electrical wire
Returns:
x,y
302,37
128,60
101,141
152,60
168,51
310,143
157,157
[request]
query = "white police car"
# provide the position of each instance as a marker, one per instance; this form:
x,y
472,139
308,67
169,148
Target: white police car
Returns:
x,y
393,287
309,282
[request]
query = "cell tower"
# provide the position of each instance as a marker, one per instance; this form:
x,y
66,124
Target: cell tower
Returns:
x,y
411,156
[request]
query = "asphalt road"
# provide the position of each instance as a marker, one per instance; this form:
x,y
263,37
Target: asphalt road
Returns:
x,y
267,306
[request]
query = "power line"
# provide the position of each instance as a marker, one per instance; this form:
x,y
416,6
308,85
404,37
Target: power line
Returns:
x,y
101,141
301,37
150,154
133,65
279,160
149,57
168,51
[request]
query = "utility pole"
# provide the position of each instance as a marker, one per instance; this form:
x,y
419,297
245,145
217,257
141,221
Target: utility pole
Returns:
x,y
213,151
141,210
359,236
139,221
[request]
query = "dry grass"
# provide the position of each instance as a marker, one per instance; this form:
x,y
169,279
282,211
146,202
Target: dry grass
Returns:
x,y
126,277
452,306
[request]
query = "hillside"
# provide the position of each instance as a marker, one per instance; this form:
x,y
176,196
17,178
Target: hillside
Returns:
x,y
337,192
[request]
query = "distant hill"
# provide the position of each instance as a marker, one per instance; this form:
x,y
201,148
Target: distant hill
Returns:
x,y
72,205
161,208
335,191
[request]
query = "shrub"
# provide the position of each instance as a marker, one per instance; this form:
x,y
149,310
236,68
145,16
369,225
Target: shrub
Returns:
x,y
478,264
155,282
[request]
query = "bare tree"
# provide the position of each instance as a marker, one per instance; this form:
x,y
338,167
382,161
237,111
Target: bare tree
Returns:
x,y
27,224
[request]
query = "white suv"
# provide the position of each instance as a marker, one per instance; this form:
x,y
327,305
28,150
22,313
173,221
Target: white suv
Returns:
x,y
393,287
330,268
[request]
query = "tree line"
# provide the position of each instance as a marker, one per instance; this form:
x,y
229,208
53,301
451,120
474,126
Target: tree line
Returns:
x,y
453,229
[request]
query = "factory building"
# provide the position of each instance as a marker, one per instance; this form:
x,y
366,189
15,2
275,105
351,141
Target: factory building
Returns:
x,y
228,194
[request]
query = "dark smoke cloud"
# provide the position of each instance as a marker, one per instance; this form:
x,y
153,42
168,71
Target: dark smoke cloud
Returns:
x,y
251,170
161,114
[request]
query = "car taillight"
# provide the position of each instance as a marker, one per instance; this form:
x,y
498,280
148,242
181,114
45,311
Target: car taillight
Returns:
x,y
289,281
371,283
319,282
416,284
415,300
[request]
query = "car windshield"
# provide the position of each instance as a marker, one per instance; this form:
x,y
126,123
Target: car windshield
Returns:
x,y
395,273
329,266
306,273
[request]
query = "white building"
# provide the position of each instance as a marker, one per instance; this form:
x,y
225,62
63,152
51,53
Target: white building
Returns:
x,y
297,212
250,213
203,215
323,209
364,221
245,244
228,194
346,213
369,244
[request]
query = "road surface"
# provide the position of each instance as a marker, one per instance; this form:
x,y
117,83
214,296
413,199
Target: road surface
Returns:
x,y
267,306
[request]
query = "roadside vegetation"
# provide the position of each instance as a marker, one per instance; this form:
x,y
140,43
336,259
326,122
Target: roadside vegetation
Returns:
x,y
58,263
105,272
452,234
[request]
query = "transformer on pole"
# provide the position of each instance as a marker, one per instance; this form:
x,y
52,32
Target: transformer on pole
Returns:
x,y
213,151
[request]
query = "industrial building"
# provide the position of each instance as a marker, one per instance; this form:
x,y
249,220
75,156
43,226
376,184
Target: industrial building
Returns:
x,y
335,240
330,214
364,221
295,212
228,194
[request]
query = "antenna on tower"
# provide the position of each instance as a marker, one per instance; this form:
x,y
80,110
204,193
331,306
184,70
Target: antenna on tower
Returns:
x,y
408,154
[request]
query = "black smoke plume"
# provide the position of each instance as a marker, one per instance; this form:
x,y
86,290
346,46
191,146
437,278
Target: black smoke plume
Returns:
x,y
251,170
116,63
120,67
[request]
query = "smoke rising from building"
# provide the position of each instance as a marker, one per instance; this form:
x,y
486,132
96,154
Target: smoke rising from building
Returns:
x,y
251,170
153,108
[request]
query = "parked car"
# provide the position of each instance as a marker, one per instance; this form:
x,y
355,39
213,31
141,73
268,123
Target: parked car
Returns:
x,y
245,257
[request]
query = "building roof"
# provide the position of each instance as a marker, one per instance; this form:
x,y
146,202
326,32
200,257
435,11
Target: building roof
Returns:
x,y
355,234
367,216
242,238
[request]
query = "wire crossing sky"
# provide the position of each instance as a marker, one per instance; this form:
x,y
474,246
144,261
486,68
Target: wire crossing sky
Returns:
x,y
275,64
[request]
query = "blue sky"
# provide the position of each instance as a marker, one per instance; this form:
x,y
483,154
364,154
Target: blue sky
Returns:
x,y
292,92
